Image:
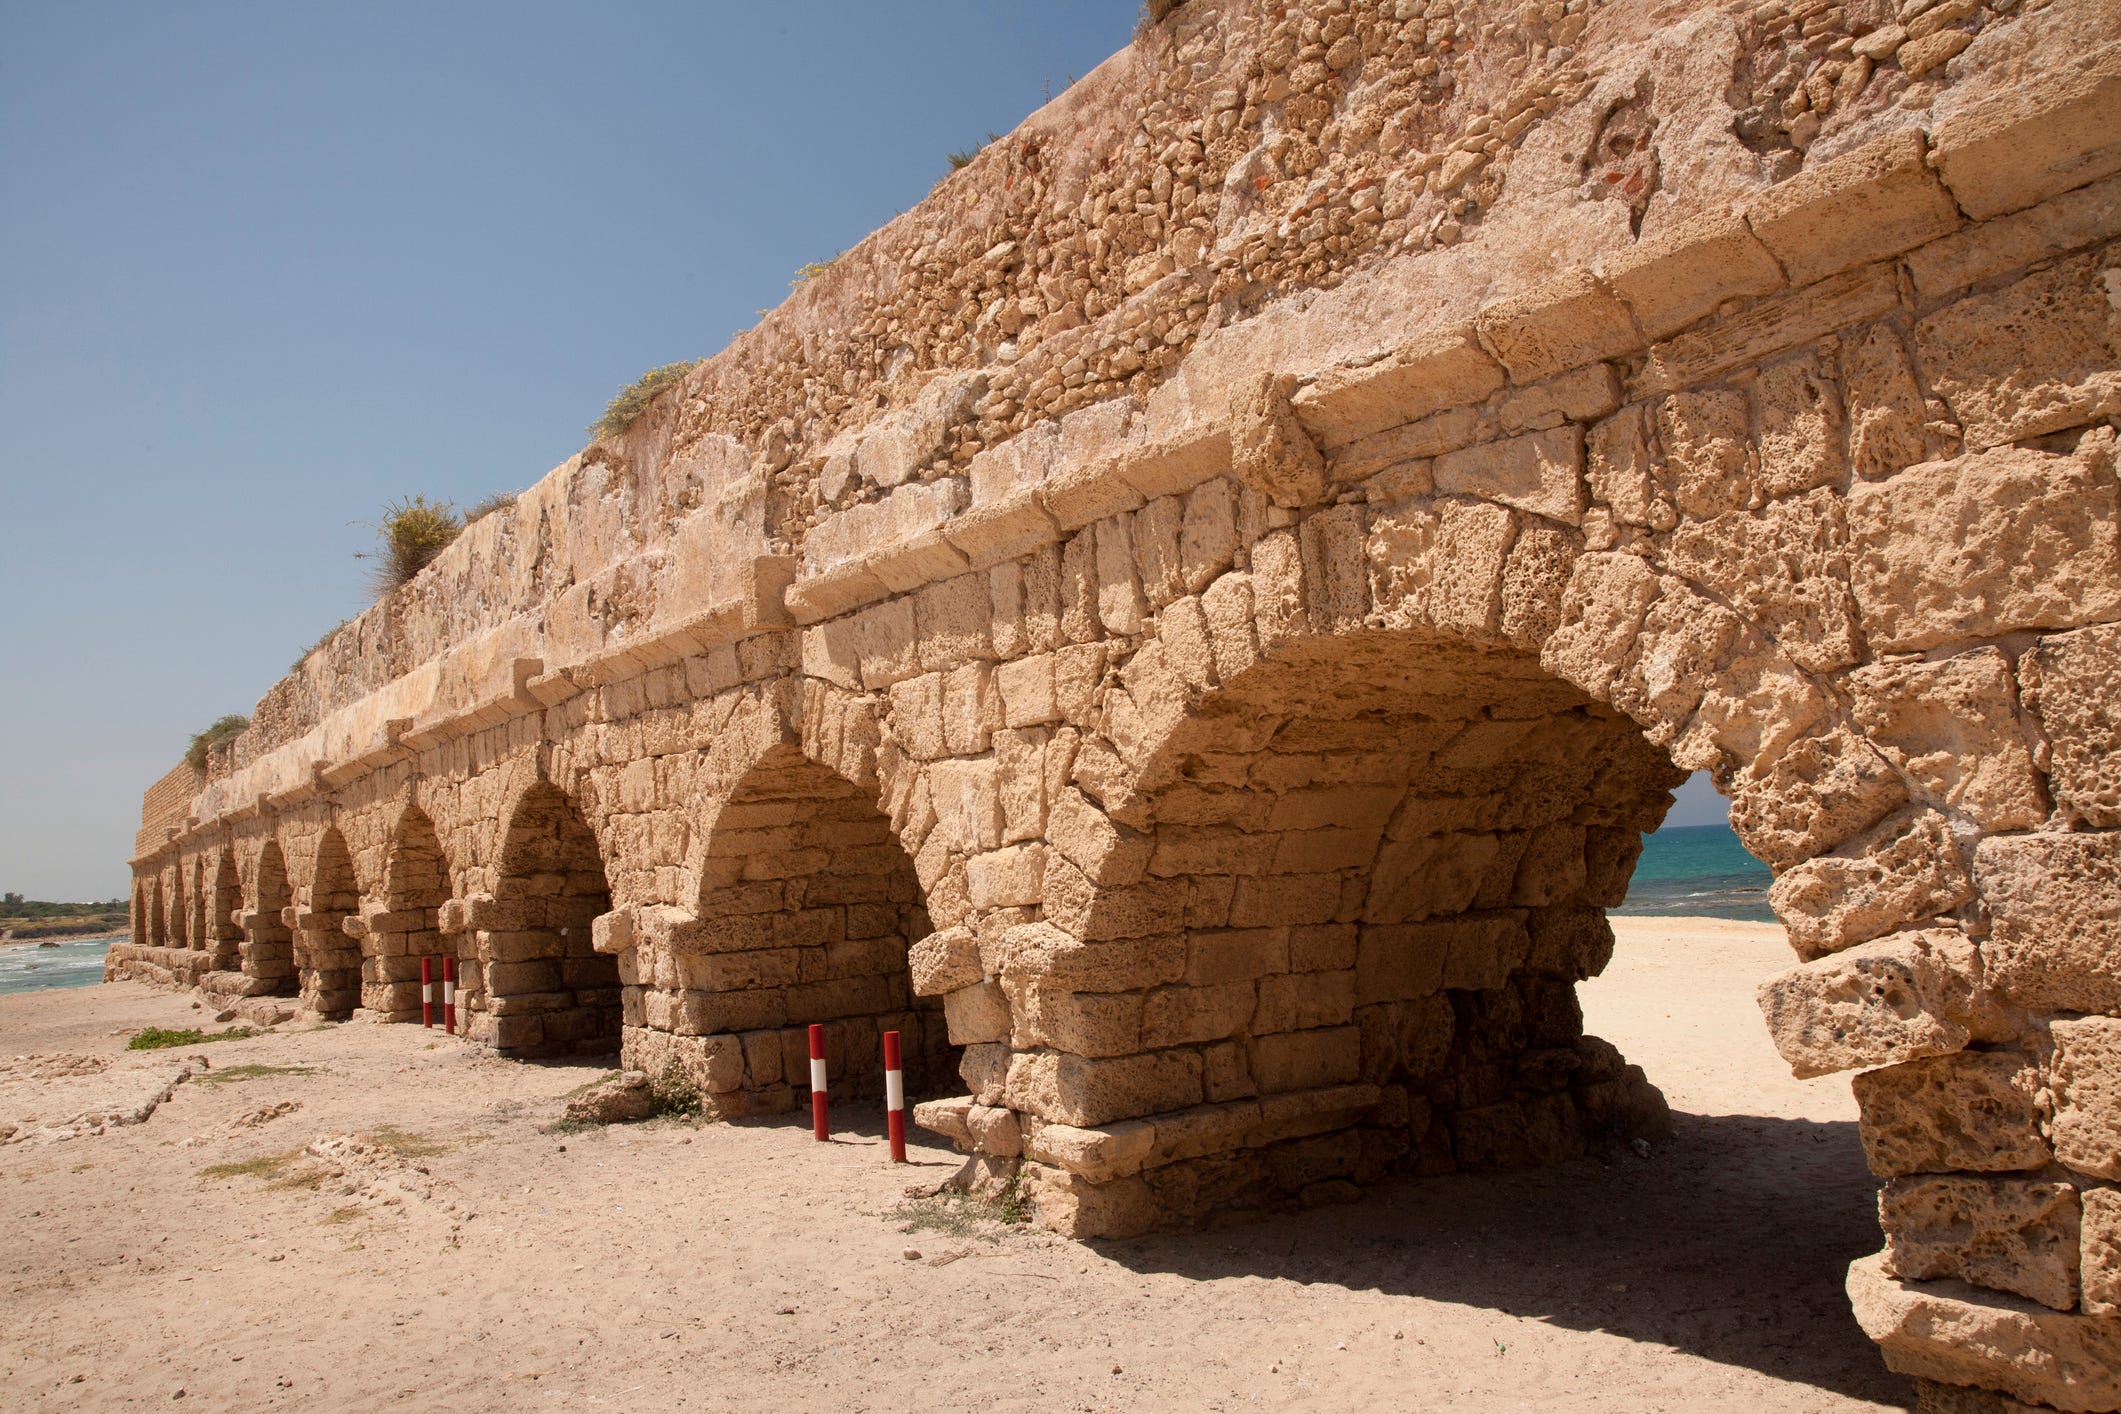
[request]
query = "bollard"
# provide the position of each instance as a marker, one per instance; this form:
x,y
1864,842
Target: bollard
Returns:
x,y
449,995
818,1127
427,991
894,1098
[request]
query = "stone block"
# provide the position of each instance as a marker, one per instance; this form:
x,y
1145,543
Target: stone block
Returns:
x,y
1784,569
1571,942
1098,1154
1300,1001
1270,450
1601,613
1958,1334
2054,903
1400,962
2037,356
1194,1013
1984,545
1884,404
1056,957
1446,368
2006,1234
1995,247
1904,870
1304,1060
1820,791
1089,1092
1084,1023
1564,323
1688,268
1771,327
1972,1110
2084,1075
2072,684
2101,1252
1865,205
1892,1000
2032,141
1709,457
1953,726
1541,472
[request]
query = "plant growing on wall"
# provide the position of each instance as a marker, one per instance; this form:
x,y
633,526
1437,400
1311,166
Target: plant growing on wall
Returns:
x,y
634,398
221,733
413,531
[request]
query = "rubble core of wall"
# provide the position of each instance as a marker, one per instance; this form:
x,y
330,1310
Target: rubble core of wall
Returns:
x,y
1203,689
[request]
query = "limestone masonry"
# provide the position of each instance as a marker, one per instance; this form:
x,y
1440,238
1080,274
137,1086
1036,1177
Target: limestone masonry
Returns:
x,y
1190,624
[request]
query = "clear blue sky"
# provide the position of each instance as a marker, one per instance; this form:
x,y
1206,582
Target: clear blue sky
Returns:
x,y
264,267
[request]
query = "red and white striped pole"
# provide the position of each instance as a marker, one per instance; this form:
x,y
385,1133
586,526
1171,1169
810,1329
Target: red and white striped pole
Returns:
x,y
894,1098
449,995
818,1126
427,991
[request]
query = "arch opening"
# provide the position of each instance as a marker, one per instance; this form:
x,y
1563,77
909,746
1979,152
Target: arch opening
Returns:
x,y
1366,876
176,913
328,959
807,909
406,927
221,935
198,927
138,923
267,948
532,983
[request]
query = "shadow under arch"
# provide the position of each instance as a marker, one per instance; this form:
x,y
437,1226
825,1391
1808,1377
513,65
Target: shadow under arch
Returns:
x,y
329,960
221,935
807,908
1350,891
533,986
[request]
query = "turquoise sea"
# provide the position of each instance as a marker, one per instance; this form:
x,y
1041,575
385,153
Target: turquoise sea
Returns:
x,y
1699,869
72,962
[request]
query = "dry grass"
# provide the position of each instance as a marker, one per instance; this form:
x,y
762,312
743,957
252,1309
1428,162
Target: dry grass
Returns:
x,y
220,734
634,399
413,530
264,1166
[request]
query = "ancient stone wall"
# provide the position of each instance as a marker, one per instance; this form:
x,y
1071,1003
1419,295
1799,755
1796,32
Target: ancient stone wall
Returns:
x,y
1190,625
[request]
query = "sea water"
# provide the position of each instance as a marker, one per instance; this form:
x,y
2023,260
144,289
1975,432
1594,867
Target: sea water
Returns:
x,y
72,962
1699,869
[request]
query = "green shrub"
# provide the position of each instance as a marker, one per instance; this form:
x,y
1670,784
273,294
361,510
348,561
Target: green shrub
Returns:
x,y
676,1095
634,398
161,1038
413,530
220,734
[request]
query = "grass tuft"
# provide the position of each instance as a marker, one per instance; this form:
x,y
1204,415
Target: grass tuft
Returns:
x,y
413,531
230,1075
487,505
406,1144
220,734
958,1214
634,399
264,1166
962,158
161,1038
340,1215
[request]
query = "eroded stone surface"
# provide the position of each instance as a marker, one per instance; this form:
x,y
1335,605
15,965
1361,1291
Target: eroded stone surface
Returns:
x,y
1971,1110
1880,1003
2007,1234
2085,1075
2055,901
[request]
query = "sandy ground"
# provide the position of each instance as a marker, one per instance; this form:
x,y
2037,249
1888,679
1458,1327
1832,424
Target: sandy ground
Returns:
x,y
461,1257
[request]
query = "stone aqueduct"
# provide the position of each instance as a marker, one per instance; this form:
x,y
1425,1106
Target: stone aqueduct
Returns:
x,y
1190,624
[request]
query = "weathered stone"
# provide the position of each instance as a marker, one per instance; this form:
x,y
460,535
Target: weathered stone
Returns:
x,y
1972,1110
2085,1075
1876,201
1903,871
2101,1252
1785,569
624,1097
1953,726
1880,1003
1977,547
1541,472
2036,356
2032,142
1819,792
2072,684
2006,1234
2055,902
1960,1335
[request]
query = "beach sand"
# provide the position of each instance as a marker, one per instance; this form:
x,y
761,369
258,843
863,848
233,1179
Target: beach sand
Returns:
x,y
466,1259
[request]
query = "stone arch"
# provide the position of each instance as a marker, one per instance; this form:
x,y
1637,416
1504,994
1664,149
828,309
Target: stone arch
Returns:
x,y
198,926
177,913
404,926
329,959
222,935
806,911
533,983
137,922
157,919
267,950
